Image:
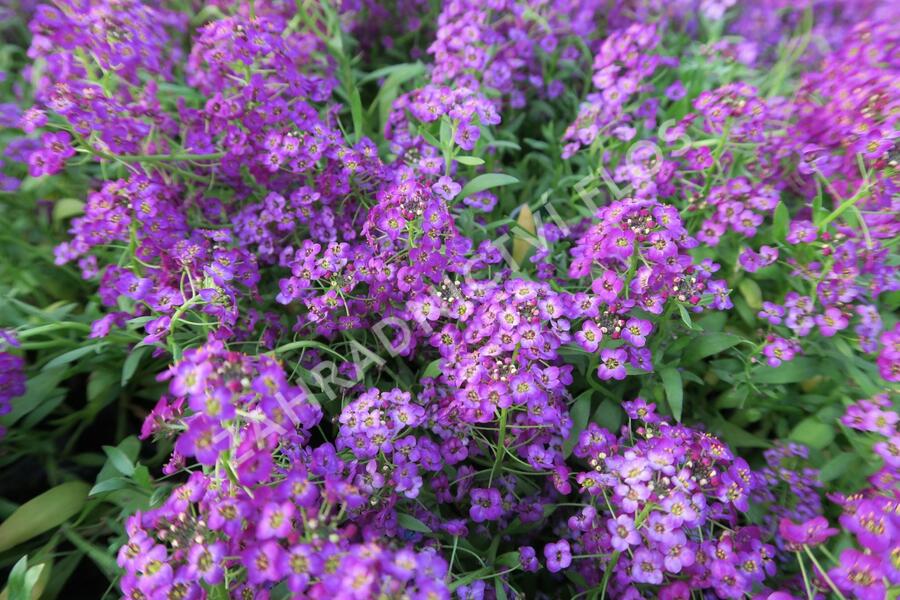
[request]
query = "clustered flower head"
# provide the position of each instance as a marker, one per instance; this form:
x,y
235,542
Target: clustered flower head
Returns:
x,y
273,507
664,507
245,218
870,565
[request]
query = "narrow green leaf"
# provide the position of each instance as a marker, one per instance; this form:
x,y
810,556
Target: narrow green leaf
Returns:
x,y
101,558
471,161
508,559
43,513
119,460
73,355
671,379
790,372
780,222
738,437
751,292
413,524
580,413
110,485
485,182
132,363
17,579
686,317
709,344
356,113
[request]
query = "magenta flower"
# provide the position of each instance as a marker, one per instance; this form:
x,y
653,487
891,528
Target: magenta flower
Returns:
x,y
590,336
636,331
811,532
859,574
612,364
276,520
831,321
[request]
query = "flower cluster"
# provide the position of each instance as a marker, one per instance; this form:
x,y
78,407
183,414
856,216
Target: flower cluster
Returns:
x,y
261,189
12,377
636,256
665,511
622,66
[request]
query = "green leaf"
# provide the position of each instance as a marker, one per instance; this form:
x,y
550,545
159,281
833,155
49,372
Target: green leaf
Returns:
x,y
738,437
790,372
499,589
686,317
66,208
580,413
813,433
837,466
508,559
219,592
608,415
433,369
709,344
22,580
356,113
118,459
485,182
395,73
110,485
446,133
671,379
33,584
751,292
470,161
17,577
132,363
101,558
43,513
73,355
780,222
413,524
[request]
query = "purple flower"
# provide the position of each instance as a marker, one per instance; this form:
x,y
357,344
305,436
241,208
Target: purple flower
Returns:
x,y
635,332
487,505
264,562
612,364
646,566
590,336
466,136
446,188
528,559
771,312
622,533
608,287
811,532
275,521
801,232
831,321
859,574
205,561
873,526
558,556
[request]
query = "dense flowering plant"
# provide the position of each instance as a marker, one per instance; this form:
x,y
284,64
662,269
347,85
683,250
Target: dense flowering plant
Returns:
x,y
440,299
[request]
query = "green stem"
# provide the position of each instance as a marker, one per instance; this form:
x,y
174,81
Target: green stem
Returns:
x,y
824,573
501,448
